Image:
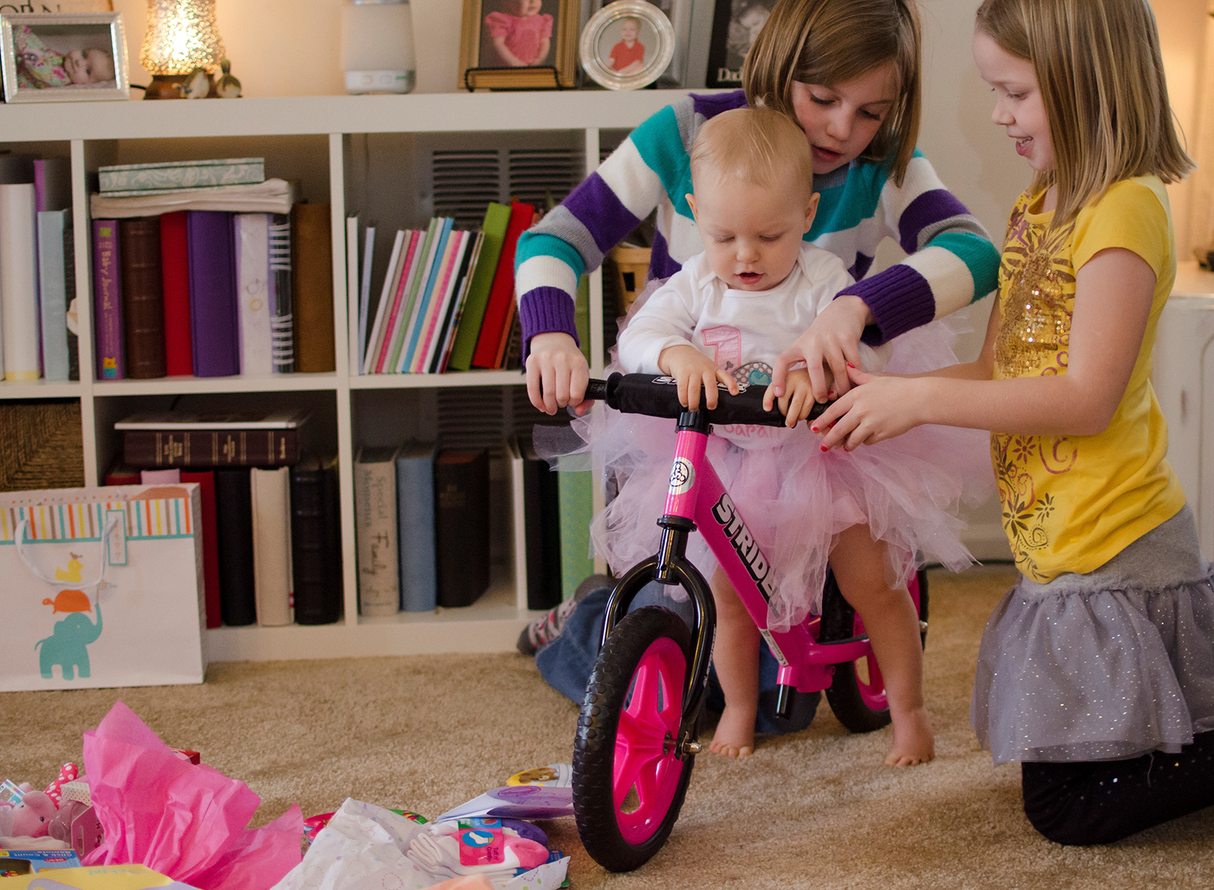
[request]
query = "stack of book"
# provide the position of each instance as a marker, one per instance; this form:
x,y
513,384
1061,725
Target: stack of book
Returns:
x,y
422,523
447,300
207,268
270,510
37,269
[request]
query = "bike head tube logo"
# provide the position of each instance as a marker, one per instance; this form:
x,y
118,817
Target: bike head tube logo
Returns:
x,y
682,476
727,516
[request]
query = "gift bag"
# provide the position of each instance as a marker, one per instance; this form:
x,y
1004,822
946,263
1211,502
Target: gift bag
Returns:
x,y
101,587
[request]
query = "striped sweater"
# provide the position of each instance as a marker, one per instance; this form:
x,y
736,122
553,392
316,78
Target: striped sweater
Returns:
x,y
951,261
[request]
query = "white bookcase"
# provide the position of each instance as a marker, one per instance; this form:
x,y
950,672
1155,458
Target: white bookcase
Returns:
x,y
359,154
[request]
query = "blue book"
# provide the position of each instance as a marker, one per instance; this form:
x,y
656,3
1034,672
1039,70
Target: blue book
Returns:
x,y
416,527
57,280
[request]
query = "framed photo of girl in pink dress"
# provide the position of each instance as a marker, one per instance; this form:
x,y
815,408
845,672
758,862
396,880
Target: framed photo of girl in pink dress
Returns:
x,y
519,44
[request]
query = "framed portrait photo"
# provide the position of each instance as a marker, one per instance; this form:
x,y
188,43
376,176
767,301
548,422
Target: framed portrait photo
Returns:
x,y
627,45
735,25
64,58
519,44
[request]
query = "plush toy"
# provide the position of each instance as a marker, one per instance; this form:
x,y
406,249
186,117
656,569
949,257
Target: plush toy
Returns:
x,y
30,818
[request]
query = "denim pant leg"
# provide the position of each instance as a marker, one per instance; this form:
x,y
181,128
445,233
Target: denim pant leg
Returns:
x,y
566,662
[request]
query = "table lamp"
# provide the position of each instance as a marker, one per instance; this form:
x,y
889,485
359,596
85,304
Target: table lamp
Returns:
x,y
181,36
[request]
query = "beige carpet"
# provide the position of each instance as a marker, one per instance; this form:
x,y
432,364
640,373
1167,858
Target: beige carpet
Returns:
x,y
816,809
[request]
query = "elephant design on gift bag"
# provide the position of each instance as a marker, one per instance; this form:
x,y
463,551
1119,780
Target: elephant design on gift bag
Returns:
x,y
67,646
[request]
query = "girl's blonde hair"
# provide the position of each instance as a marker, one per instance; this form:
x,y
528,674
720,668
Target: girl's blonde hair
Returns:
x,y
1100,73
756,145
831,42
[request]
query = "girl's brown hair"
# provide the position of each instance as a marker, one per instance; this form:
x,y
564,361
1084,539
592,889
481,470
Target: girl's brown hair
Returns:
x,y
1101,77
830,42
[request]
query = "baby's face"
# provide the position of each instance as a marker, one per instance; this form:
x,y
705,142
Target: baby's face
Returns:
x,y
528,7
88,66
630,30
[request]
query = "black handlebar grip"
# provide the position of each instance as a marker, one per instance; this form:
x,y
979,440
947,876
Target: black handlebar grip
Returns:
x,y
658,396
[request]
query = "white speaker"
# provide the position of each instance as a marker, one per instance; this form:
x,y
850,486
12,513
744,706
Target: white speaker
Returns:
x,y
377,46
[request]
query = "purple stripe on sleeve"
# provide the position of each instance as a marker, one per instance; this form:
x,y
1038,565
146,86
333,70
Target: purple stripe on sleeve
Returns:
x,y
600,211
927,209
863,264
543,310
660,263
899,298
714,103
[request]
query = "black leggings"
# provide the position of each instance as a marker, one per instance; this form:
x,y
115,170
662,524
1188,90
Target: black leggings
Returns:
x,y
1104,801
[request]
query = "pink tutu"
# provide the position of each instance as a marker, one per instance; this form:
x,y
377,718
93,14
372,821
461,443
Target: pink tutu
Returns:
x,y
795,498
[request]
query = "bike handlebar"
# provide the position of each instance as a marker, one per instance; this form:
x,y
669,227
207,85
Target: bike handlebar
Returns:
x,y
658,396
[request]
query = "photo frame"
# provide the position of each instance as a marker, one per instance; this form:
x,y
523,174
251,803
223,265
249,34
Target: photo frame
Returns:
x,y
735,24
680,14
38,65
627,45
502,50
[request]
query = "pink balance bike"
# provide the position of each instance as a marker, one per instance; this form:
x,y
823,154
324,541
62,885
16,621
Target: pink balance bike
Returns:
x,y
637,731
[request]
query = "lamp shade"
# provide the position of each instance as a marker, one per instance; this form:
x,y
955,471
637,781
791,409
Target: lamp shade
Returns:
x,y
181,36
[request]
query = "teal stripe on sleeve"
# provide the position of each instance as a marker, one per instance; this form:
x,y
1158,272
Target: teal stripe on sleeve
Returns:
x,y
977,253
660,145
532,244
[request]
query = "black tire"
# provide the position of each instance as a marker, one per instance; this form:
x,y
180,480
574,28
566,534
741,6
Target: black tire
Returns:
x,y
607,694
845,692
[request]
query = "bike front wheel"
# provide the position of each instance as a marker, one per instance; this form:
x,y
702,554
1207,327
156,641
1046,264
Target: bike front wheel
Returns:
x,y
628,778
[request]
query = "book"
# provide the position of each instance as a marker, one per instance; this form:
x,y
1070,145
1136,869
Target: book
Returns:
x,y
214,329
364,295
210,541
316,540
501,292
443,246
159,477
180,174
443,356
170,439
120,473
271,196
278,294
20,315
416,527
415,283
312,288
511,331
375,531
107,301
575,499
270,504
234,523
52,183
461,498
175,288
252,234
541,530
497,218
395,283
223,420
57,290
352,280
142,297
434,326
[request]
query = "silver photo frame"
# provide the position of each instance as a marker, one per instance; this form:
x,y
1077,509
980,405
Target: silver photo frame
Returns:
x,y
627,45
62,34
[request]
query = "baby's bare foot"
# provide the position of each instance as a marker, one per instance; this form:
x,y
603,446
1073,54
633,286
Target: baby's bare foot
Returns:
x,y
735,735
914,741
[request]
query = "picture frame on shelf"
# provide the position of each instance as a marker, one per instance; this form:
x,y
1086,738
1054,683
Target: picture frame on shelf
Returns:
x,y
507,45
64,58
627,45
679,12
735,25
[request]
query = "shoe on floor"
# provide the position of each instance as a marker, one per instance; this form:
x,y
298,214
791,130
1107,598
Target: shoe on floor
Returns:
x,y
548,626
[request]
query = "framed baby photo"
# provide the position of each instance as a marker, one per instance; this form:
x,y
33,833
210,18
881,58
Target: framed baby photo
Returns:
x,y
679,12
735,25
627,45
519,44
64,58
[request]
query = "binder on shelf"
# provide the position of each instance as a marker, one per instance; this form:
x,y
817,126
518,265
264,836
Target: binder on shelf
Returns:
x,y
252,250
279,294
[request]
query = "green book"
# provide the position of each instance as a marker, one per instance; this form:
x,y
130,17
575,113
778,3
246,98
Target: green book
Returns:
x,y
575,505
497,217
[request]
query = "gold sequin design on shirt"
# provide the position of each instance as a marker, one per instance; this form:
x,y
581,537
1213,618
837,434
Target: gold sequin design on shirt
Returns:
x,y
1034,334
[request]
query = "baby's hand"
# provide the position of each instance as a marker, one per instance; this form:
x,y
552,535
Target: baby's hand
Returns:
x,y
693,371
798,399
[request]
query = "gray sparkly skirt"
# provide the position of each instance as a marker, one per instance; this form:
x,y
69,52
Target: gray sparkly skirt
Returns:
x,y
1103,666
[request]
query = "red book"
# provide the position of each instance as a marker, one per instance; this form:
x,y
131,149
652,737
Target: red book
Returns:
x,y
501,292
210,540
175,270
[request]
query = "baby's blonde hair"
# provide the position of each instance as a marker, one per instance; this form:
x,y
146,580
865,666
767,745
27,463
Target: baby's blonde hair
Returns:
x,y
756,145
1100,73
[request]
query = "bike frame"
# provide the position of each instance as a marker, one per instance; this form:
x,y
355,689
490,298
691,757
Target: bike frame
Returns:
x,y
696,500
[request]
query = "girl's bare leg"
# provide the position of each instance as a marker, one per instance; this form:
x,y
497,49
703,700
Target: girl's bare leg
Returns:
x,y
736,657
893,629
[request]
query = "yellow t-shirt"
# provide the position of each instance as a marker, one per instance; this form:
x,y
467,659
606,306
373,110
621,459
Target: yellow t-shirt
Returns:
x,y
1071,503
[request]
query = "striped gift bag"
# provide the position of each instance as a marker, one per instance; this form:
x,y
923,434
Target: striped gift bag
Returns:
x,y
101,587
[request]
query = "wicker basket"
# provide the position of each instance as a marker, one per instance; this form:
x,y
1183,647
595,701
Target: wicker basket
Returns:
x,y
629,268
42,445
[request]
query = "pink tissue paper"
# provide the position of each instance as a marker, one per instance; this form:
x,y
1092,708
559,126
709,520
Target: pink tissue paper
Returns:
x,y
183,820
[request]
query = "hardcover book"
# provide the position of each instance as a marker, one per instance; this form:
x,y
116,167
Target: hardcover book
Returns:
x,y
107,301
396,262
234,520
312,288
497,219
57,286
143,178
213,309
19,282
173,439
270,495
278,294
501,292
142,297
461,496
415,523
316,540
252,270
175,286
376,532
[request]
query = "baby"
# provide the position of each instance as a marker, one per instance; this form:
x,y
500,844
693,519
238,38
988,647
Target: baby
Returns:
x,y
628,56
522,35
39,66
